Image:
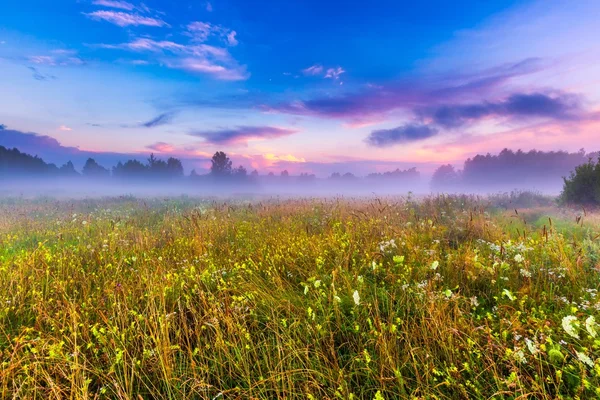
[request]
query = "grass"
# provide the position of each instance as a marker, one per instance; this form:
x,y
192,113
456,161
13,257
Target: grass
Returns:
x,y
435,298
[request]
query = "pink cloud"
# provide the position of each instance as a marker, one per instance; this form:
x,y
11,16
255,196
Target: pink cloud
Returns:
x,y
124,19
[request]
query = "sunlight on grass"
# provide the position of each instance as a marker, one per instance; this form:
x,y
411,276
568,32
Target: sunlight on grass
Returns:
x,y
442,297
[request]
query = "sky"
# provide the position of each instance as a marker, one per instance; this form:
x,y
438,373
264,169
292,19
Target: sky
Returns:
x,y
308,86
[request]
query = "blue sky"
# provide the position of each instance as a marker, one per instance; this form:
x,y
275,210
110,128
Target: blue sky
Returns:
x,y
312,87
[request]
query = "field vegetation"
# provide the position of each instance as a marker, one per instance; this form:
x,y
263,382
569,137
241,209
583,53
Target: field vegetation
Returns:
x,y
447,297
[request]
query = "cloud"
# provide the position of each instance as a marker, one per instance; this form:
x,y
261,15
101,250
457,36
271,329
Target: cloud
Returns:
x,y
2,127
64,128
195,58
334,73
37,75
161,147
159,120
518,105
231,38
402,134
313,70
123,5
125,19
209,6
375,101
243,134
201,31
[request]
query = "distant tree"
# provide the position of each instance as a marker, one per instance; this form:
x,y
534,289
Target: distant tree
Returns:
x,y
305,177
132,169
174,167
335,175
68,169
93,169
254,174
240,172
583,185
193,174
444,177
220,164
13,163
349,176
270,174
285,173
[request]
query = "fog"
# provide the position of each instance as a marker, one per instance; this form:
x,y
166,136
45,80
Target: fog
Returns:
x,y
80,187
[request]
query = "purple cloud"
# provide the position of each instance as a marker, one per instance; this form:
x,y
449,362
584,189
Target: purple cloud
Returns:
x,y
242,134
402,134
377,100
159,120
519,105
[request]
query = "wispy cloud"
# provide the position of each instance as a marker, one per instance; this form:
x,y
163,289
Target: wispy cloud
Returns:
x,y
125,19
201,31
209,6
64,128
334,73
375,101
122,5
162,119
195,58
402,134
243,134
57,58
37,75
313,70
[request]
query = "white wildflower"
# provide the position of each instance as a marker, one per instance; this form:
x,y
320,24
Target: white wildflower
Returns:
x,y
590,326
525,273
435,265
531,345
474,301
571,325
585,359
519,258
356,297
520,356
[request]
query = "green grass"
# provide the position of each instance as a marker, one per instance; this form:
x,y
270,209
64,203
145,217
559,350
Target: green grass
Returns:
x,y
436,298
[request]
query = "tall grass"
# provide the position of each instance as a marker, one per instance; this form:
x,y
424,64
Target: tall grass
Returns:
x,y
441,298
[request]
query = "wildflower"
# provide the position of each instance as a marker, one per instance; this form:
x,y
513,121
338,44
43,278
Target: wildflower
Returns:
x,y
525,273
531,345
435,265
317,283
508,294
356,297
474,301
520,356
571,325
519,258
83,222
585,359
590,326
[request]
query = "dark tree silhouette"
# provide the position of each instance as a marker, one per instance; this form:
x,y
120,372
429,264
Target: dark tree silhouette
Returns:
x,y
254,174
240,172
13,163
93,169
174,167
68,170
444,177
583,185
220,164
285,173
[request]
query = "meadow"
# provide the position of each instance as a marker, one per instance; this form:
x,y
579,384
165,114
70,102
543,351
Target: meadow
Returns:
x,y
443,297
